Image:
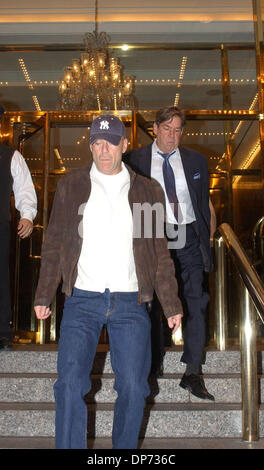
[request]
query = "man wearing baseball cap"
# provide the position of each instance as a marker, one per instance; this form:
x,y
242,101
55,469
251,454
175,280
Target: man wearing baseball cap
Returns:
x,y
15,176
108,276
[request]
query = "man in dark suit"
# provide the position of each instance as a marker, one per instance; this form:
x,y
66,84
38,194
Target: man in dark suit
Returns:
x,y
183,175
14,177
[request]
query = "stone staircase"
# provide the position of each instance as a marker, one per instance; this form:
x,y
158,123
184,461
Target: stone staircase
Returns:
x,y
27,375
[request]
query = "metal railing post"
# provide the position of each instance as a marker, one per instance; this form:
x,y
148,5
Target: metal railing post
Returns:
x,y
220,293
249,378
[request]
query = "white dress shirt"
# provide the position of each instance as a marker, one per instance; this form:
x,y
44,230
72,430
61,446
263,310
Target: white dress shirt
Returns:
x,y
182,190
23,188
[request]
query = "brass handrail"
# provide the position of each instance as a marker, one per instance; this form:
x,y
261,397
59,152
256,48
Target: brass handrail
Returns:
x,y
251,301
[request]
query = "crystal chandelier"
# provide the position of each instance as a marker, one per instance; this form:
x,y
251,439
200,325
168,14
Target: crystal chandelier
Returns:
x,y
95,81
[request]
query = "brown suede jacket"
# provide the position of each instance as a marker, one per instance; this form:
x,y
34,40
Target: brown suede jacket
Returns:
x,y
62,245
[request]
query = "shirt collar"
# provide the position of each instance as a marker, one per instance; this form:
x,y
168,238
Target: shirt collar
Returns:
x,y
110,180
155,150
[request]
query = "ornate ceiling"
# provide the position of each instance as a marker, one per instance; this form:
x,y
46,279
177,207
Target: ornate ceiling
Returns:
x,y
56,28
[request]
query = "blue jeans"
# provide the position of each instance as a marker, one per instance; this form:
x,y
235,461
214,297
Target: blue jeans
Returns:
x,y
128,327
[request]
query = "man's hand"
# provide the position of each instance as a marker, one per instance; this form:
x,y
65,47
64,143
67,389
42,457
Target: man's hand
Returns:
x,y
174,322
24,228
42,312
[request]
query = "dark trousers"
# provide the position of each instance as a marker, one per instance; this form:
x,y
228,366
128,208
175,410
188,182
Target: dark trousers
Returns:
x,y
157,335
128,328
5,302
190,276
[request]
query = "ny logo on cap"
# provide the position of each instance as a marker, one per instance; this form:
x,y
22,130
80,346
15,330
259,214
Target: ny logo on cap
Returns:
x,y
104,125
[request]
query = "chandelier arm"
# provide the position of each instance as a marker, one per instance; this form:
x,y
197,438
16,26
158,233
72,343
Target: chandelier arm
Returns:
x,y
96,16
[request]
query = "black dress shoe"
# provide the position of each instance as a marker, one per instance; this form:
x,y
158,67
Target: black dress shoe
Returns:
x,y
195,384
5,344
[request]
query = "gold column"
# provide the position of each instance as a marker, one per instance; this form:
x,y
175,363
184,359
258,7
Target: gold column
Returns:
x,y
228,131
247,278
6,130
45,174
134,130
221,302
249,380
258,29
46,165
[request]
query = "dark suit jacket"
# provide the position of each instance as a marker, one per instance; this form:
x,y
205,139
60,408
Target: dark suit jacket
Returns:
x,y
196,173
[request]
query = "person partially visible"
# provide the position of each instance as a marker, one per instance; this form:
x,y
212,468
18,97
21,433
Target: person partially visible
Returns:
x,y
15,176
183,175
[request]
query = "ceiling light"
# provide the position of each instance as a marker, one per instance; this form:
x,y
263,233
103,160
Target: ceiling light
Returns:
x,y
25,72
36,103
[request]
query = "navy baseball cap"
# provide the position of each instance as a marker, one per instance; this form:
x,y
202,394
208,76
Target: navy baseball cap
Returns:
x,y
2,110
107,127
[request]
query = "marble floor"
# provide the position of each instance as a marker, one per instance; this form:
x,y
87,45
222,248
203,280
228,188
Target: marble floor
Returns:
x,y
147,443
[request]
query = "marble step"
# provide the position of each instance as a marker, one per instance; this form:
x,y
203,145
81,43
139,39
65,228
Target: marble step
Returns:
x,y
27,408
160,420
45,361
154,443
33,387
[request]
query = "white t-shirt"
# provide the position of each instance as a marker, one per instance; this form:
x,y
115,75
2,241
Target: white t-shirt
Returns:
x,y
107,260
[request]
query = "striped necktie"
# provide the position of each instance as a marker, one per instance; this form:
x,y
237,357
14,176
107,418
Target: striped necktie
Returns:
x,y
170,184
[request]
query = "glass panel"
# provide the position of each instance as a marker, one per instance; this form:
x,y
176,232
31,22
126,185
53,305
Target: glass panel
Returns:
x,y
246,148
208,138
29,139
190,78
243,79
27,74
69,146
247,180
248,199
262,14
25,254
